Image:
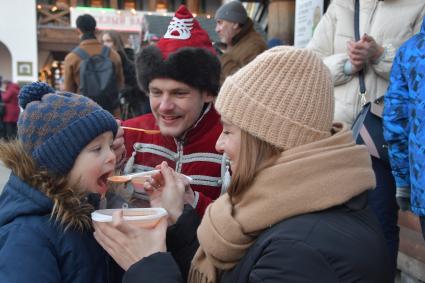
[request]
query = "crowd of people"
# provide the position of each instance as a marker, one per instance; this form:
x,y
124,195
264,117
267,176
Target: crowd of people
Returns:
x,y
279,190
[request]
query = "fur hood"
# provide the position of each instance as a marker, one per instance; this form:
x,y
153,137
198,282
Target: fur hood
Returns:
x,y
30,191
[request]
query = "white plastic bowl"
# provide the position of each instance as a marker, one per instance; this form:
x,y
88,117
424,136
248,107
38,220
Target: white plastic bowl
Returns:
x,y
141,217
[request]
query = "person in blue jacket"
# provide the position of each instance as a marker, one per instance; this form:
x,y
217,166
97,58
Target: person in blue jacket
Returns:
x,y
296,208
404,120
59,164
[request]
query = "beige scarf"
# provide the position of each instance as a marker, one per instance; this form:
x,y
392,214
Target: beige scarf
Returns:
x,y
304,179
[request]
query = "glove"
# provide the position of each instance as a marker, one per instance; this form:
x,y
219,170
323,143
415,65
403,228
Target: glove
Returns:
x,y
403,198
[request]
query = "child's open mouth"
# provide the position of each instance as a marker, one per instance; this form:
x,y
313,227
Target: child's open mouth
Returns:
x,y
102,182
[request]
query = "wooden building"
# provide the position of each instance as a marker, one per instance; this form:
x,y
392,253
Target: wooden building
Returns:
x,y
57,36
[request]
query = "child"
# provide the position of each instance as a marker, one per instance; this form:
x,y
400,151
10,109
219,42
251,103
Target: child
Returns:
x,y
62,156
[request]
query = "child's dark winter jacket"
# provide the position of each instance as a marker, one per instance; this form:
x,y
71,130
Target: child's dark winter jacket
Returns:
x,y
33,248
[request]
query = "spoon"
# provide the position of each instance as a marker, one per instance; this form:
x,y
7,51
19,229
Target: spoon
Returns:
x,y
149,132
144,175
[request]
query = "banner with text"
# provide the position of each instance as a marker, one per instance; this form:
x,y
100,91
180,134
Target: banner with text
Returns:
x,y
112,19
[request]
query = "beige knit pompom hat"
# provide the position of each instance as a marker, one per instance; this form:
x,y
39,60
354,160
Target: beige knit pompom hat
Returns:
x,y
284,97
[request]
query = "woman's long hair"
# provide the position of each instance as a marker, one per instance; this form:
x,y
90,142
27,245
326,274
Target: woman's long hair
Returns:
x,y
116,40
254,155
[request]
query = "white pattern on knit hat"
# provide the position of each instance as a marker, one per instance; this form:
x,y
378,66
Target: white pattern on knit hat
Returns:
x,y
284,97
179,29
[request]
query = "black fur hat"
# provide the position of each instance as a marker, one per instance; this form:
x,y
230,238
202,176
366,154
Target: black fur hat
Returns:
x,y
196,67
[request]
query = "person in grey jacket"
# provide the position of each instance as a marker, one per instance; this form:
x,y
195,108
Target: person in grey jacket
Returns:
x,y
295,210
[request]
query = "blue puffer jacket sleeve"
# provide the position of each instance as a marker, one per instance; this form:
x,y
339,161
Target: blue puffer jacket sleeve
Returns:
x,y
28,256
396,121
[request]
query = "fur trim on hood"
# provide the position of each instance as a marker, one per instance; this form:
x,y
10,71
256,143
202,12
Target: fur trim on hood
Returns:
x,y
196,67
70,207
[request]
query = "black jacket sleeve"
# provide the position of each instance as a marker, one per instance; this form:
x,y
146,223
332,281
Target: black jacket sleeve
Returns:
x,y
182,241
291,261
159,267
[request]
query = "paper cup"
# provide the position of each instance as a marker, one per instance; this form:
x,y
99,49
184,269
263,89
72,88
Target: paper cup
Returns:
x,y
141,217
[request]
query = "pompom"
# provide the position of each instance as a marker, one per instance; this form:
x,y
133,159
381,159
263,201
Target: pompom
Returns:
x,y
33,92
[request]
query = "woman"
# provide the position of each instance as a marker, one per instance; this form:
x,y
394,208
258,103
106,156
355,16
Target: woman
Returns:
x,y
295,210
133,101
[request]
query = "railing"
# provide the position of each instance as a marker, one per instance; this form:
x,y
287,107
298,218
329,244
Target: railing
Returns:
x,y
53,15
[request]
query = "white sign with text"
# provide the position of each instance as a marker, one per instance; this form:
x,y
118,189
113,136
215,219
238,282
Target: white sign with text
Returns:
x,y
307,15
111,19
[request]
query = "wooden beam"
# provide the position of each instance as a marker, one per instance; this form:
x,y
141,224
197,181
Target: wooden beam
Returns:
x,y
411,266
409,220
57,46
54,17
281,20
58,35
193,6
412,243
152,5
114,4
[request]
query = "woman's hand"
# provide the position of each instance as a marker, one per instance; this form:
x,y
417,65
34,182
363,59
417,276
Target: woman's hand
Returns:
x,y
126,243
374,49
357,54
362,51
167,189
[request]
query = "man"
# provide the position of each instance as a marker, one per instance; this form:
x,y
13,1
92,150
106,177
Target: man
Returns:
x,y
236,30
403,125
86,26
181,75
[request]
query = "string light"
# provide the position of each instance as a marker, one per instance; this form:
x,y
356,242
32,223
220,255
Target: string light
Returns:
x,y
54,9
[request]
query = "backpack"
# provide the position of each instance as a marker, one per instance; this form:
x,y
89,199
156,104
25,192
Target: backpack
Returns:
x,y
97,78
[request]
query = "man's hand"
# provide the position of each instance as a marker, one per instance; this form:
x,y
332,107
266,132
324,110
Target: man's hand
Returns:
x,y
127,243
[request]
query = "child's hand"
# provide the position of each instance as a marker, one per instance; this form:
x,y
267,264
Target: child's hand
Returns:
x,y
127,244
118,145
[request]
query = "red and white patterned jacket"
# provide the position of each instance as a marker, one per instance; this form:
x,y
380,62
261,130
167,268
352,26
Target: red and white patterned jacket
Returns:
x,y
193,155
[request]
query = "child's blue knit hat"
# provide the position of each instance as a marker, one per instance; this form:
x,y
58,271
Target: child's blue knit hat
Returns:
x,y
55,126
